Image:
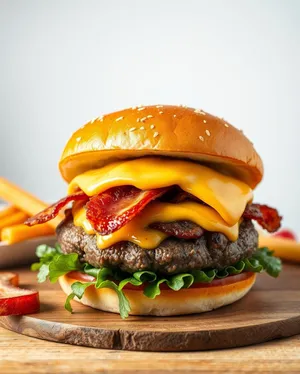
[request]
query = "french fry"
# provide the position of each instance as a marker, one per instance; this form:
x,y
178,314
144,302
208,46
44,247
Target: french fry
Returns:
x,y
24,200
13,219
283,248
8,211
18,233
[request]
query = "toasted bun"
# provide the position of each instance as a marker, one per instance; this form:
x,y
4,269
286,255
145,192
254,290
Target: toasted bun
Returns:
x,y
168,303
162,130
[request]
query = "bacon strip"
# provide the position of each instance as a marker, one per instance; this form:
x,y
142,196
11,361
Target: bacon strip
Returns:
x,y
114,208
52,211
267,217
176,195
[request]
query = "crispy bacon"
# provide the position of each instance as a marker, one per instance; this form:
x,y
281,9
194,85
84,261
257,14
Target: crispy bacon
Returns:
x,y
114,208
53,210
176,195
267,217
179,229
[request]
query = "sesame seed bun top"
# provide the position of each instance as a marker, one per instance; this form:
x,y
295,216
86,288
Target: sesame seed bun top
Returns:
x,y
162,130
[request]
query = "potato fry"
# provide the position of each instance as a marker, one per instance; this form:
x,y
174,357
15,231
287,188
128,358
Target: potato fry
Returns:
x,y
18,233
24,201
13,219
283,248
8,211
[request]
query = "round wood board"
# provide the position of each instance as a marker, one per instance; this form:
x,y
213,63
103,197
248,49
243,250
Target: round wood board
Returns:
x,y
271,310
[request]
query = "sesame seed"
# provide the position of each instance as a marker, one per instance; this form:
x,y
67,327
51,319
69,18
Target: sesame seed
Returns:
x,y
142,128
95,145
143,119
119,118
132,129
141,108
161,112
138,120
201,138
174,115
78,139
204,121
159,106
155,134
207,132
152,127
100,118
93,120
133,107
225,124
199,111
149,116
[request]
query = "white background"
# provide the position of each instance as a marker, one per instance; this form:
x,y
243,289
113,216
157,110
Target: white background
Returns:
x,y
65,62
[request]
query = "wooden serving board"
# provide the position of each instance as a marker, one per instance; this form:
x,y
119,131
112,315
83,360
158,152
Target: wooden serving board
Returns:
x,y
271,310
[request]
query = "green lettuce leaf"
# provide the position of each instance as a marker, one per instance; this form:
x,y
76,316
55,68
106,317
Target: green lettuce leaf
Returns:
x,y
138,278
53,264
272,265
63,264
175,282
124,305
78,289
43,273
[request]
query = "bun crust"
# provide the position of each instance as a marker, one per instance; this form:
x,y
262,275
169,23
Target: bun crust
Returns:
x,y
162,130
168,303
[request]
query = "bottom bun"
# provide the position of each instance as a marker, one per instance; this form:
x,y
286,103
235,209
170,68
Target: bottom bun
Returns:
x,y
169,302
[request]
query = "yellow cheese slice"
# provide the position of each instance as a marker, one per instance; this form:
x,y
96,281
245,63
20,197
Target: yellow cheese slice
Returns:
x,y
138,232
227,195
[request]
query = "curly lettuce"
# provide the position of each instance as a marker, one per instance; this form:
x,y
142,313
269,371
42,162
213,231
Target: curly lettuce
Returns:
x,y
53,264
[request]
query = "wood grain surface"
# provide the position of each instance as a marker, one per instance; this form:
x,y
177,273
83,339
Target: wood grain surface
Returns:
x,y
271,310
23,354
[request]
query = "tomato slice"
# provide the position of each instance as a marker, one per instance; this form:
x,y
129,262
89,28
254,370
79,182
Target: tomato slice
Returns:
x,y
77,275
15,300
215,283
285,234
224,281
9,278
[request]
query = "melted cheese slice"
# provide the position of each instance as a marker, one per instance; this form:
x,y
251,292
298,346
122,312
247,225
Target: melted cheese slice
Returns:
x,y
227,195
138,232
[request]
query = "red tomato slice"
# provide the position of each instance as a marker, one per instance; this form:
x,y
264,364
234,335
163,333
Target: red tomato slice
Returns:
x,y
78,275
285,234
216,282
9,278
14,300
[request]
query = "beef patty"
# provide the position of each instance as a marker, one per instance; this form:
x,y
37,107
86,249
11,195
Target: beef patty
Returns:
x,y
212,250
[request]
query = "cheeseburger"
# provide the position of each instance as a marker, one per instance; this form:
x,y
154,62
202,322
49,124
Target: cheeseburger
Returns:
x,y
158,215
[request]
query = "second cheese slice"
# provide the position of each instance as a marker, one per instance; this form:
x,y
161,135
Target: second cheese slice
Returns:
x,y
138,232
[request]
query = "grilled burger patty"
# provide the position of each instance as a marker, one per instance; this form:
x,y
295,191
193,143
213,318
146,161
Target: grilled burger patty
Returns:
x,y
212,250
